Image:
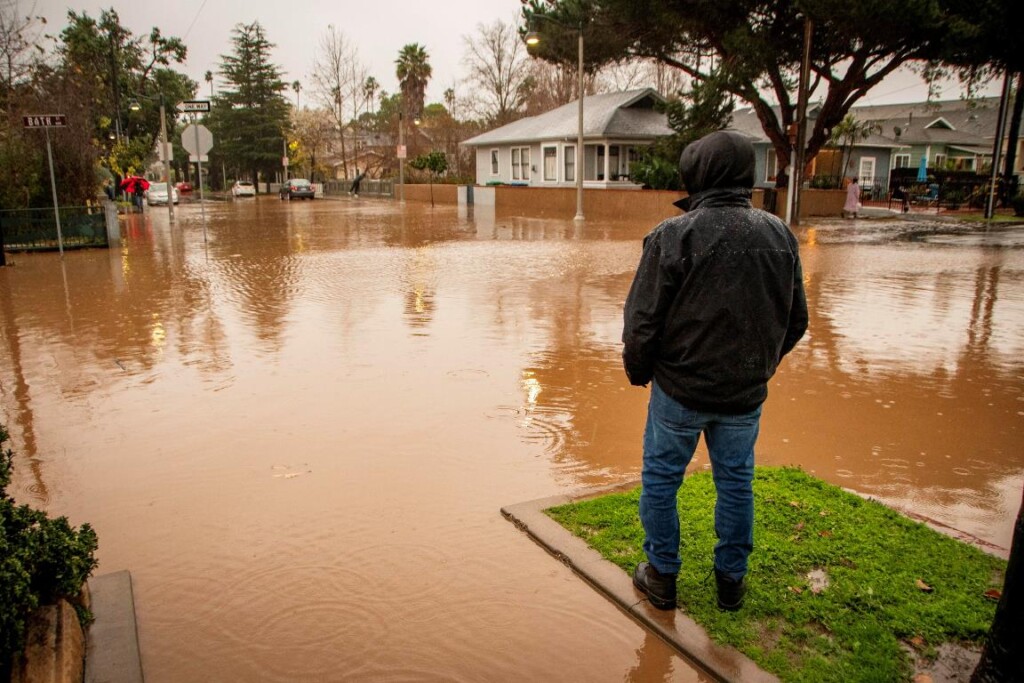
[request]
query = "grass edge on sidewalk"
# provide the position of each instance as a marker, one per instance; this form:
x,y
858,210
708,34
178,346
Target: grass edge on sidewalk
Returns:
x,y
841,588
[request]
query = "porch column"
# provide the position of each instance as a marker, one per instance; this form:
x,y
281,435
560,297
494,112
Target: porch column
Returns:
x,y
606,157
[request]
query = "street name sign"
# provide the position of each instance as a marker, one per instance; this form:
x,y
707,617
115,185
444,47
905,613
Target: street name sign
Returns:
x,y
45,121
194,106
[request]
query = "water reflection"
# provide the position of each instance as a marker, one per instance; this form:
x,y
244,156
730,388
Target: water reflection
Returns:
x,y
419,369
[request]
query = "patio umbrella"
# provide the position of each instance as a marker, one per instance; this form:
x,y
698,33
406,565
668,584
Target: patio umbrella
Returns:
x,y
922,170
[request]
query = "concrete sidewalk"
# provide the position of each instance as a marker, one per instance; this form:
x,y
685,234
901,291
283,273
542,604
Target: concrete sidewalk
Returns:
x,y
112,643
678,630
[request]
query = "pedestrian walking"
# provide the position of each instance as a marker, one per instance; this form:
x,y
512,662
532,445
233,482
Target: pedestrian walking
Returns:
x,y
852,206
716,302
354,189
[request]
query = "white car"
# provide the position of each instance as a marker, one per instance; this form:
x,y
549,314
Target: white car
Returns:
x,y
243,188
157,194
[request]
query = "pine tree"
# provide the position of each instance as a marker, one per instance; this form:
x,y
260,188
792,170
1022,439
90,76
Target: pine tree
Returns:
x,y
250,114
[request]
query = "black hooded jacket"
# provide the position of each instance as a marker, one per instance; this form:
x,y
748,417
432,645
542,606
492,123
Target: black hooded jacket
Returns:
x,y
718,297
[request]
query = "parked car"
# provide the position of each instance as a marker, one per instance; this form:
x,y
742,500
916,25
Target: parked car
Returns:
x,y
184,188
243,188
157,194
297,188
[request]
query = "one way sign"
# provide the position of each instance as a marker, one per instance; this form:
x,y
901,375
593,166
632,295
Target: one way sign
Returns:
x,y
194,106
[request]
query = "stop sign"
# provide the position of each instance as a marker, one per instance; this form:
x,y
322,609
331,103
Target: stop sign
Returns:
x,y
197,139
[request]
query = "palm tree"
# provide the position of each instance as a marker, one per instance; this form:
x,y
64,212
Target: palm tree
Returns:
x,y
849,132
413,71
370,88
296,86
209,79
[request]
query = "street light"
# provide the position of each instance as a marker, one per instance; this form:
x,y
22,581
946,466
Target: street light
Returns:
x,y
135,106
533,38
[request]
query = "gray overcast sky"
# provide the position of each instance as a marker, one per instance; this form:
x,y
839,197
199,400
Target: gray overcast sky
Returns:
x,y
377,28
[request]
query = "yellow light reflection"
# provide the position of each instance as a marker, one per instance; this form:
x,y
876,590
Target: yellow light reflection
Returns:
x,y
420,304
812,237
158,335
533,389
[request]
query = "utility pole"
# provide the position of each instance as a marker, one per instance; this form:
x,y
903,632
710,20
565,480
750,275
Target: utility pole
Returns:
x,y
997,148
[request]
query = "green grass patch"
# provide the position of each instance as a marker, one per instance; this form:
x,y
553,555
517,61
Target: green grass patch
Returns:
x,y
879,567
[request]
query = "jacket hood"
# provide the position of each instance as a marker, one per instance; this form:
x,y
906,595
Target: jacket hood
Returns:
x,y
723,159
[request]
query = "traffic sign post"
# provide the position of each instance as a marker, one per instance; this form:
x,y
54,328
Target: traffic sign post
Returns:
x,y
197,141
46,122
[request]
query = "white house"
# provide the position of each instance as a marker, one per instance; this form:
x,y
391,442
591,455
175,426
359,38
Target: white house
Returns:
x,y
540,151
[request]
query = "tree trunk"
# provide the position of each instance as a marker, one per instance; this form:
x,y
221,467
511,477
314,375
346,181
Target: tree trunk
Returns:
x,y
1002,660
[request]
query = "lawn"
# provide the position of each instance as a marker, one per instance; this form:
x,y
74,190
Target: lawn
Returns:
x,y
840,588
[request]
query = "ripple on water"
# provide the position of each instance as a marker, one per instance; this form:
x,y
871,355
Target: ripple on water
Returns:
x,y
327,611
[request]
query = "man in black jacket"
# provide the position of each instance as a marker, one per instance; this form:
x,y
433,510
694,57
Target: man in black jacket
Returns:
x,y
717,301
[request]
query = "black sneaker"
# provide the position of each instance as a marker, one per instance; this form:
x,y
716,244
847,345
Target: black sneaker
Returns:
x,y
659,588
730,592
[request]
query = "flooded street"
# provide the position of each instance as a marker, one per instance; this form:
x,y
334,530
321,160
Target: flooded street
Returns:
x,y
297,435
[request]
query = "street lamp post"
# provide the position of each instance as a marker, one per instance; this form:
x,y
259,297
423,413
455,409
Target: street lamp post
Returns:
x,y
533,38
134,106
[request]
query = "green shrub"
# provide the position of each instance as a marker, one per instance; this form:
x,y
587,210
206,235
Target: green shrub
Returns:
x,y
655,172
1018,205
41,560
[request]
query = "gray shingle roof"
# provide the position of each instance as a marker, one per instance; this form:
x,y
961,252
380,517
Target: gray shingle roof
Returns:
x,y
973,124
627,115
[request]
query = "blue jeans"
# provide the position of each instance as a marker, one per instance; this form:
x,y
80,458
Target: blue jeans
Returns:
x,y
669,441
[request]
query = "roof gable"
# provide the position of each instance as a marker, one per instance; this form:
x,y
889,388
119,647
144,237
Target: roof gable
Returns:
x,y
941,122
622,114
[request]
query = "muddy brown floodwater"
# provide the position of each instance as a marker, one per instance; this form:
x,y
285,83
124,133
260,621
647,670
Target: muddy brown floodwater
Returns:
x,y
298,436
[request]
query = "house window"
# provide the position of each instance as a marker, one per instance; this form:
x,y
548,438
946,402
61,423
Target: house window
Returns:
x,y
867,171
550,164
771,167
614,172
494,162
940,161
901,161
570,163
520,163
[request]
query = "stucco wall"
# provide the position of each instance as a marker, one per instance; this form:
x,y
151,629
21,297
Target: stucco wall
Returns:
x,y
443,194
651,206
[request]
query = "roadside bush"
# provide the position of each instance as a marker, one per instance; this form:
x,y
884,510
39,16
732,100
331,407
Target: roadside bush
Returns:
x,y
655,172
41,560
1018,205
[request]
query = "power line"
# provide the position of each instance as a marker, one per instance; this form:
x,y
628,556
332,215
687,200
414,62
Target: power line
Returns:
x,y
194,19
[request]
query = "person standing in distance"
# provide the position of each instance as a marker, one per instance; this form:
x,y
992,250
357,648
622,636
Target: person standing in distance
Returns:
x,y
716,302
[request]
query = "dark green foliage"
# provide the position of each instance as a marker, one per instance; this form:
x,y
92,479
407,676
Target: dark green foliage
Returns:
x,y
707,107
435,162
250,114
41,560
853,630
1018,205
755,46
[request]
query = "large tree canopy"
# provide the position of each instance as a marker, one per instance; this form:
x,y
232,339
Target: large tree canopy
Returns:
x,y
250,115
754,47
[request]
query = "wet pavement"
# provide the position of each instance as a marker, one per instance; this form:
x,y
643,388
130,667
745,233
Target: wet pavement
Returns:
x,y
298,434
